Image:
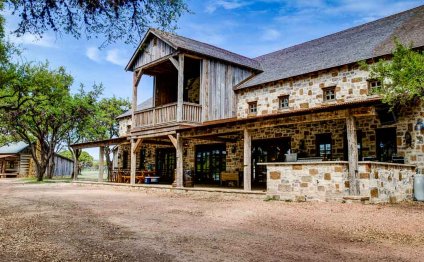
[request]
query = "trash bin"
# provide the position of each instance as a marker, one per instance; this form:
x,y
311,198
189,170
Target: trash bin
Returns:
x,y
419,187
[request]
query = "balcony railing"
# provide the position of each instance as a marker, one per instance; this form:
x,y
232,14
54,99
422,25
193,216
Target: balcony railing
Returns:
x,y
167,114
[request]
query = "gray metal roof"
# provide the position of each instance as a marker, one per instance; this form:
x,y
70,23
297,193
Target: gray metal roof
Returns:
x,y
194,46
352,45
148,103
13,148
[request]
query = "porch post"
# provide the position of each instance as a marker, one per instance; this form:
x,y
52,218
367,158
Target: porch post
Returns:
x,y
352,154
133,160
247,174
101,163
179,172
180,98
136,80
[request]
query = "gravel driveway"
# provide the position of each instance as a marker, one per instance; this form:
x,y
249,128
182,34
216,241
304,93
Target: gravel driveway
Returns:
x,y
69,222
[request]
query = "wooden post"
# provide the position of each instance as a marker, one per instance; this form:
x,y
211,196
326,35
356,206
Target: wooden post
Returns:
x,y
101,163
247,174
179,172
352,155
133,160
136,80
180,99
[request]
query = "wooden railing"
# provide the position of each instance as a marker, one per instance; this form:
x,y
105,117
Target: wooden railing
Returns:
x,y
192,112
168,114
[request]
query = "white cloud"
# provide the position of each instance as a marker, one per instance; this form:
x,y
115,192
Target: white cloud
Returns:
x,y
28,39
114,56
93,54
226,4
270,34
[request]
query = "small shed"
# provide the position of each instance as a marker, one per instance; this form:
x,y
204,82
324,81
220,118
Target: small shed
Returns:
x,y
16,161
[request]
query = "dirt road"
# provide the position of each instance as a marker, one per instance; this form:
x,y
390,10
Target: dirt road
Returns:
x,y
68,222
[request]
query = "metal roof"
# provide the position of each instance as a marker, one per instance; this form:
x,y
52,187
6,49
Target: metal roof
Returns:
x,y
13,148
148,103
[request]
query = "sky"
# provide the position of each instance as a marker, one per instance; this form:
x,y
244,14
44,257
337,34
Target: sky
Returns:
x,y
250,28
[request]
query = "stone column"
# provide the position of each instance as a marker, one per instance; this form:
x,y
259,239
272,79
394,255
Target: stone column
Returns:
x,y
101,163
133,160
352,144
179,172
247,174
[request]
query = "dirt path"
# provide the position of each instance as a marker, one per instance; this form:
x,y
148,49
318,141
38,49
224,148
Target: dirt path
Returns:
x,y
66,222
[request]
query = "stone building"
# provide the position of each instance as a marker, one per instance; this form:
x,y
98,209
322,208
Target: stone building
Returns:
x,y
300,123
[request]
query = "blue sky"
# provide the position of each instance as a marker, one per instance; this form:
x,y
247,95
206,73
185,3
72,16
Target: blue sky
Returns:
x,y
250,28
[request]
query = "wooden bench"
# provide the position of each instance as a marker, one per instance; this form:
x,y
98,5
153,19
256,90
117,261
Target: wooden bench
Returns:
x,y
230,176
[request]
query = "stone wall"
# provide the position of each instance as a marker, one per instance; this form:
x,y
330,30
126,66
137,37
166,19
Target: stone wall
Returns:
x,y
386,182
305,91
308,181
123,126
328,180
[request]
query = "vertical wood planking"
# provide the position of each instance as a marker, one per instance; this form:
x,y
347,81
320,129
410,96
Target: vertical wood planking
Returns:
x,y
152,52
352,155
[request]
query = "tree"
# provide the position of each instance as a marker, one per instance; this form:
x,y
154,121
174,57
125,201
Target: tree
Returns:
x,y
85,158
107,127
48,113
114,19
401,77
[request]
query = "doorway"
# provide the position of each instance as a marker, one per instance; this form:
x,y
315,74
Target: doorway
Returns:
x,y
166,164
386,144
266,150
210,162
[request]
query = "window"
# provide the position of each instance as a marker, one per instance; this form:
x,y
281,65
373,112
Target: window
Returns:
x,y
283,101
141,164
373,84
323,145
253,107
329,93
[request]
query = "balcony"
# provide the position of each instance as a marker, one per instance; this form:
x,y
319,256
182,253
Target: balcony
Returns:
x,y
167,115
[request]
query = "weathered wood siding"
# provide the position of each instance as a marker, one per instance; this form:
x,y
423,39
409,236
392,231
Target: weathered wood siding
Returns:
x,y
217,96
152,50
63,166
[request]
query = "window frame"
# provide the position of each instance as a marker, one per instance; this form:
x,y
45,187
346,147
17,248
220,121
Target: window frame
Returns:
x,y
370,81
282,100
253,105
325,95
324,139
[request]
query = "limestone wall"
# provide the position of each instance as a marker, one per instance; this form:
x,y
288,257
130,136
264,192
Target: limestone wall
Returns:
x,y
386,182
305,91
123,126
308,181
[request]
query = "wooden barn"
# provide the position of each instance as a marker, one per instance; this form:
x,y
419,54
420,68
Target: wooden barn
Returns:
x,y
16,161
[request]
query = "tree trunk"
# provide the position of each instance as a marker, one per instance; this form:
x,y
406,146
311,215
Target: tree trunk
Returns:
x,y
108,162
50,168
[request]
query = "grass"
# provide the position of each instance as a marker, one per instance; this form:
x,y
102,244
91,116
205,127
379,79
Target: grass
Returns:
x,y
33,180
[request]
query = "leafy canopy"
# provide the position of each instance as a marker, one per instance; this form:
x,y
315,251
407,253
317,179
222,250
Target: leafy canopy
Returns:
x,y
401,77
85,158
113,19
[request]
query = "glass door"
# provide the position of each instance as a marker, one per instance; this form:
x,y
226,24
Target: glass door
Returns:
x,y
210,162
165,164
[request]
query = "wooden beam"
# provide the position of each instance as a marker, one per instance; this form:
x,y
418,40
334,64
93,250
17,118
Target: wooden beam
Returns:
x,y
179,181
247,160
101,163
136,80
180,98
133,161
173,140
156,62
352,143
174,62
137,144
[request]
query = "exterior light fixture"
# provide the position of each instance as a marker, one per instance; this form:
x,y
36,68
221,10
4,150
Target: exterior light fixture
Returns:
x,y
420,125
